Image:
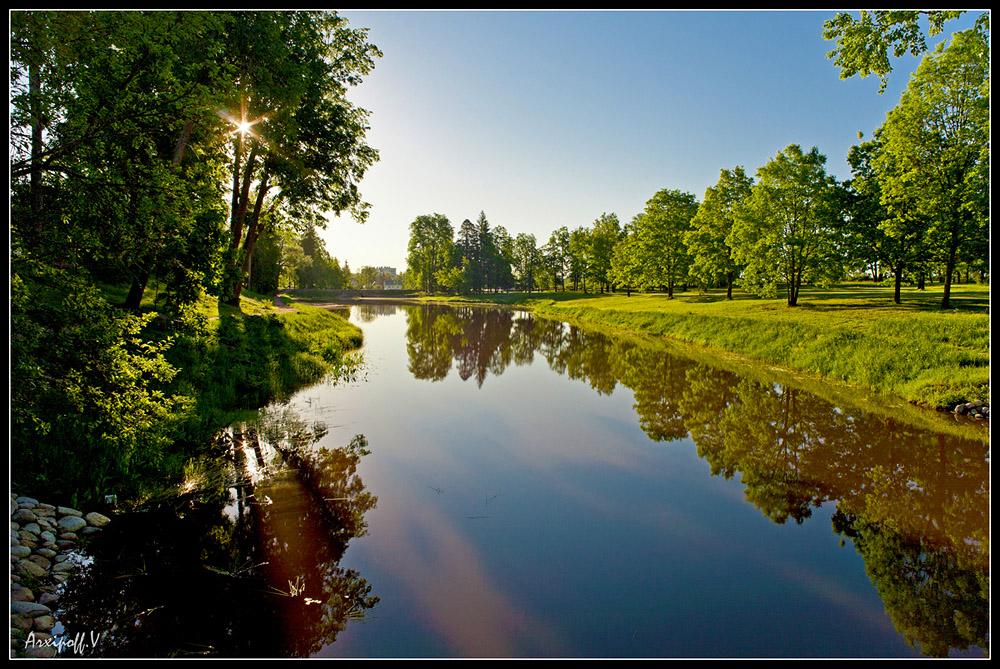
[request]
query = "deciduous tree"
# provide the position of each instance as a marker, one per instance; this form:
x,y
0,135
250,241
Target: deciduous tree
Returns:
x,y
786,232
935,150
711,255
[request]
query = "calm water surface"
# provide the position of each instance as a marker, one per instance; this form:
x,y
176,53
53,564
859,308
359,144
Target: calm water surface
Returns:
x,y
497,485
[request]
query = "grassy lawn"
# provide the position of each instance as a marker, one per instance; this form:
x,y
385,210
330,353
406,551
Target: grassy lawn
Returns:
x,y
850,333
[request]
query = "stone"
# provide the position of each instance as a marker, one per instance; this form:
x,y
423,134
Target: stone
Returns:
x,y
41,561
20,551
40,651
29,568
29,609
23,515
26,501
47,537
44,623
21,622
65,565
47,552
97,519
67,511
48,598
27,539
22,594
71,523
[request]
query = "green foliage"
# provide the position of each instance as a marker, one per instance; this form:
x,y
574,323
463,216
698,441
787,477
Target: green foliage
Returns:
x,y
429,249
853,334
864,43
118,173
660,231
299,144
89,408
711,256
934,155
786,231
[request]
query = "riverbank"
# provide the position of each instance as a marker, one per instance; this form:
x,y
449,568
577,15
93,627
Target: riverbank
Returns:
x,y
852,334
45,552
219,362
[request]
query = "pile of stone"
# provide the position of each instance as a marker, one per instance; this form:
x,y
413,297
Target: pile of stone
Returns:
x,y
977,409
45,549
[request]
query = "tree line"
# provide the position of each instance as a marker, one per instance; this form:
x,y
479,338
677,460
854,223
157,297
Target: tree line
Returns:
x,y
916,208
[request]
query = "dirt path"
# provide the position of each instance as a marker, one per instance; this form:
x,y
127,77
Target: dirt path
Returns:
x,y
280,306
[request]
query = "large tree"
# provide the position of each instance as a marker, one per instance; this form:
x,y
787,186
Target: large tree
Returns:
x,y
661,228
430,250
934,161
711,255
112,103
873,236
787,230
603,236
298,142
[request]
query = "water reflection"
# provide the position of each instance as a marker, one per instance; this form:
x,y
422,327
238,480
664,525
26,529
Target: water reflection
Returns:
x,y
245,563
914,502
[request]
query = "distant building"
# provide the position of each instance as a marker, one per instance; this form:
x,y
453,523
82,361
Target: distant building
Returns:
x,y
386,278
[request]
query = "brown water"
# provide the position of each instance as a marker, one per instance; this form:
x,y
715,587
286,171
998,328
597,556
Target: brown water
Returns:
x,y
497,485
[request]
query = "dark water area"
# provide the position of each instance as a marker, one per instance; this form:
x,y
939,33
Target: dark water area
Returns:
x,y
498,485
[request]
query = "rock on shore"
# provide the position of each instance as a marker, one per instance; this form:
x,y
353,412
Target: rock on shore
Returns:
x,y
45,544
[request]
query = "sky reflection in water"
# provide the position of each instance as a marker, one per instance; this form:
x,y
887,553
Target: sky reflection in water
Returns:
x,y
547,491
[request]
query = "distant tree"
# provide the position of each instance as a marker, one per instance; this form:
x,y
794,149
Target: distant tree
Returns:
x,y
488,254
626,260
366,277
579,257
786,232
430,249
661,229
557,256
527,260
603,236
711,255
501,260
469,245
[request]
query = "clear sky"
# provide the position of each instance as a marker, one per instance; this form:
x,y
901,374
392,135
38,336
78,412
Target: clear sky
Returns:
x,y
542,119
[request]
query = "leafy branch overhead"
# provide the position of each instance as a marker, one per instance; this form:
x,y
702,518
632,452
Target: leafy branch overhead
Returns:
x,y
865,42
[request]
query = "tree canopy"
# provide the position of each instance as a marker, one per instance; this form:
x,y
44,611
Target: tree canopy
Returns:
x,y
864,42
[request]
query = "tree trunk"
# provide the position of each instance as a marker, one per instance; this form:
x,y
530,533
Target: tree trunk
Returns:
x,y
135,292
35,91
729,286
949,270
898,271
253,231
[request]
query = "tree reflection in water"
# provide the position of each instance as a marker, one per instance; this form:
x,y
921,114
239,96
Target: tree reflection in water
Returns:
x,y
246,564
913,501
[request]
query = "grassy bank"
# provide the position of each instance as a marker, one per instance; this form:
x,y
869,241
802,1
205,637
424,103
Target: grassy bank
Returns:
x,y
114,428
852,334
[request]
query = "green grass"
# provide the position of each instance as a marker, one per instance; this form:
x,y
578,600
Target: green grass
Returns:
x,y
233,361
851,333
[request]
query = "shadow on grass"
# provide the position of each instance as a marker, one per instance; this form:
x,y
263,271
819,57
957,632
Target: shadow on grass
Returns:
x,y
841,297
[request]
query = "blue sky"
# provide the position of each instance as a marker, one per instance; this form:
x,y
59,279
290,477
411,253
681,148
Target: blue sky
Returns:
x,y
542,119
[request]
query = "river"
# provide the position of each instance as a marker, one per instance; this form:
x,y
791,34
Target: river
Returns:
x,y
492,484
